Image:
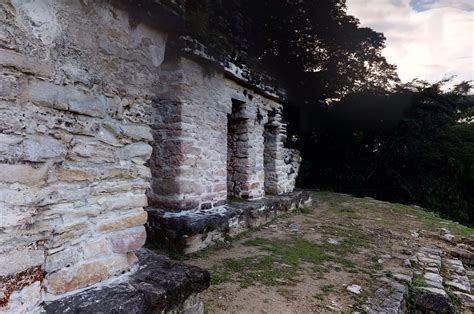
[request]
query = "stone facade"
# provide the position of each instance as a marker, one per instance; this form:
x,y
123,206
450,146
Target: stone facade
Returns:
x,y
215,138
97,122
76,93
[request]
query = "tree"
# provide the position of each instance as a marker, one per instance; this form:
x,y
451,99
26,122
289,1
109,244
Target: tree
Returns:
x,y
315,49
413,146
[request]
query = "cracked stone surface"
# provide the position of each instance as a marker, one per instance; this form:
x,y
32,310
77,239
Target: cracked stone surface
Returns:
x,y
158,285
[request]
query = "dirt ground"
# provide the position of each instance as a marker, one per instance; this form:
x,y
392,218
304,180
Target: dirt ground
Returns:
x,y
304,262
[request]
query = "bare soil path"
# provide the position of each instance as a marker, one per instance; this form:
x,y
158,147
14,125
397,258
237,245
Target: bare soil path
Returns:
x,y
306,262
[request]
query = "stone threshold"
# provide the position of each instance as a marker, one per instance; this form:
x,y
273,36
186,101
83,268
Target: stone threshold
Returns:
x,y
158,286
187,232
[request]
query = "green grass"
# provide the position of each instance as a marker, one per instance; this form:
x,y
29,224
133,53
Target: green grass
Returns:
x,y
417,282
455,300
327,288
305,210
282,264
388,214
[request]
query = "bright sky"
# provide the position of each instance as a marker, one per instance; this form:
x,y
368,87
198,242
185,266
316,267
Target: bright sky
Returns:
x,y
426,39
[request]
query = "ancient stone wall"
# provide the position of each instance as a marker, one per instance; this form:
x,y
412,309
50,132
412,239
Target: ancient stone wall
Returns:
x,y
76,91
86,97
197,143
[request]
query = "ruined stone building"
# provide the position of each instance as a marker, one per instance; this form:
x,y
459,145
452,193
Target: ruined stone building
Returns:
x,y
107,122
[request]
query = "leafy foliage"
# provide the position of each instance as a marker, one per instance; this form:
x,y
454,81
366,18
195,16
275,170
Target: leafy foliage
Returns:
x,y
417,147
314,48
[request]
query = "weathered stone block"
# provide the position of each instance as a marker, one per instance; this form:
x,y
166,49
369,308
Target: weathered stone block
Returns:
x,y
20,260
65,98
40,17
24,300
139,152
91,152
24,63
158,286
123,201
72,171
8,87
96,247
42,148
135,132
76,277
129,240
10,146
123,222
83,275
105,187
64,258
24,174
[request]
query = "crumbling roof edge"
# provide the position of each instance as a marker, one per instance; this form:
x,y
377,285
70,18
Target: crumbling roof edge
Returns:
x,y
241,74
166,15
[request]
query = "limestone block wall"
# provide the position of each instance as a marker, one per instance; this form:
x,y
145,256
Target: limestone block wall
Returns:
x,y
204,98
77,86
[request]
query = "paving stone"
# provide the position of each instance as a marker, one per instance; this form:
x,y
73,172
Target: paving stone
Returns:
x,y
466,256
430,250
460,283
433,299
391,298
448,237
467,300
433,277
432,269
402,278
429,261
407,263
356,289
434,284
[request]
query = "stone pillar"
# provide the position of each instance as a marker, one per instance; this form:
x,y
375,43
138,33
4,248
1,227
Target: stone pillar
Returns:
x,y
275,136
245,152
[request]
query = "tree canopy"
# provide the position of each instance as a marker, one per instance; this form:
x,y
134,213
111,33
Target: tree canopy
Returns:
x,y
318,51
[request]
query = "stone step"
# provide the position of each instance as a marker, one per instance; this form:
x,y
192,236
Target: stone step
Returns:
x,y
433,300
159,285
190,231
390,298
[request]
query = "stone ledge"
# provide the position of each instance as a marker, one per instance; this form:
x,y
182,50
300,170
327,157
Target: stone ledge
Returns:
x,y
158,285
190,231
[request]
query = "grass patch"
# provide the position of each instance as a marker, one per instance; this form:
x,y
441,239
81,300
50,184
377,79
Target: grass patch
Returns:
x,y
455,300
305,210
283,263
391,214
417,282
327,288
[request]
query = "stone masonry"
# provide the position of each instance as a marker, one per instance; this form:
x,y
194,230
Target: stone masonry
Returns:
x,y
77,87
210,143
99,120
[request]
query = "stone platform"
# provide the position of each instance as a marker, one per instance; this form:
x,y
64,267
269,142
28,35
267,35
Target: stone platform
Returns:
x,y
159,285
190,231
